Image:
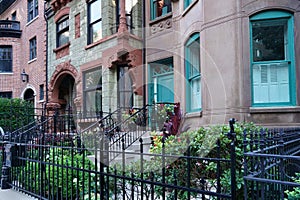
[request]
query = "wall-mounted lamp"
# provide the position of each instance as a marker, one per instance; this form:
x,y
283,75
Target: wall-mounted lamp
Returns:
x,y
24,76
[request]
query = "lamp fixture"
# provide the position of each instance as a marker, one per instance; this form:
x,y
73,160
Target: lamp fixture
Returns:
x,y
24,76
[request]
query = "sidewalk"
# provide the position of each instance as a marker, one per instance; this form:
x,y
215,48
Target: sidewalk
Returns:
x,y
14,195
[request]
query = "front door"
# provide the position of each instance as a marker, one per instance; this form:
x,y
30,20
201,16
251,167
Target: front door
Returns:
x,y
162,78
165,88
125,92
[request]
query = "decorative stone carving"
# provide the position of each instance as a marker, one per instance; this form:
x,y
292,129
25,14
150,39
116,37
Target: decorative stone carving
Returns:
x,y
58,4
161,26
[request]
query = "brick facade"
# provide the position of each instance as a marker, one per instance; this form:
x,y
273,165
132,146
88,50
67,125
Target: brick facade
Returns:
x,y
35,68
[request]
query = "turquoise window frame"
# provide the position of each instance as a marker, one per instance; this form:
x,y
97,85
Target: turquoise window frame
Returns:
x,y
194,38
289,58
187,3
166,61
153,10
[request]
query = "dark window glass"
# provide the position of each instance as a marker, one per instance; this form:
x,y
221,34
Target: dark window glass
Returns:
x,y
95,21
63,31
14,16
268,40
32,9
5,59
93,92
160,8
42,92
6,95
32,48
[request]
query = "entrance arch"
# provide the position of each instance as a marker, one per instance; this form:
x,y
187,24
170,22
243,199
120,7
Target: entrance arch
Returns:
x,y
62,90
29,95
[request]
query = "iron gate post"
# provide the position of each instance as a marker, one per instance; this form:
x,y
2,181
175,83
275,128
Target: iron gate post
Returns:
x,y
6,165
232,137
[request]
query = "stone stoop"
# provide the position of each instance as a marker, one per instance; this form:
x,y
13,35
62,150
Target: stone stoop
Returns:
x,y
12,194
132,153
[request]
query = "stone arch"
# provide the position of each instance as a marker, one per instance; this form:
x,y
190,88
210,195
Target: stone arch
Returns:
x,y
29,94
63,72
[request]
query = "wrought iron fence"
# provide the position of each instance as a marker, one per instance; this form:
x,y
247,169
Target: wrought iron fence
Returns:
x,y
52,161
271,163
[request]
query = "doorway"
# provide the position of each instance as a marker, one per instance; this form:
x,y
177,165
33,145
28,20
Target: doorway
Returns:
x,y
125,92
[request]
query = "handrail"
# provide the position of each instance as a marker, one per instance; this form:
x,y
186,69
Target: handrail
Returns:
x,y
100,121
127,119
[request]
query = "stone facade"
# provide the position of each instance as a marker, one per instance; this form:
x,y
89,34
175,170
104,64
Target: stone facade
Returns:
x,y
35,68
224,32
106,54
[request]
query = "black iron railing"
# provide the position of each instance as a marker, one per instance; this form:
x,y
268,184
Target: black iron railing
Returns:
x,y
271,161
10,28
56,164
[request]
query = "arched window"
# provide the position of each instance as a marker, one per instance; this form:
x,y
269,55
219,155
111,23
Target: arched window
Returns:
x,y
193,73
63,31
272,58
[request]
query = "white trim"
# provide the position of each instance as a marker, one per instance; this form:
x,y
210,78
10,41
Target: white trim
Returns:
x,y
29,86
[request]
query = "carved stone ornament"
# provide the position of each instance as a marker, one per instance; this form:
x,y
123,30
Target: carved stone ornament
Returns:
x,y
161,26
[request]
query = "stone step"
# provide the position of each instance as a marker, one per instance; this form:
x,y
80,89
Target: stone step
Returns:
x,y
131,153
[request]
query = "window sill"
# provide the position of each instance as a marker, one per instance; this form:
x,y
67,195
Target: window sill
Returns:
x,y
6,73
62,50
160,18
89,46
186,10
283,109
32,60
194,114
31,21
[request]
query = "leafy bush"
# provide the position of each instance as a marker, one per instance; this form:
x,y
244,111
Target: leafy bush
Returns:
x,y
66,174
15,113
295,193
203,143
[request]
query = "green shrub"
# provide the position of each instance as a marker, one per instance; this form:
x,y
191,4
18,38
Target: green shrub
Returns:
x,y
15,113
295,193
201,143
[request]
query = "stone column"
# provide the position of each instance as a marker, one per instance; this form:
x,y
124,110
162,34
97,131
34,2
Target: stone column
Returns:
x,y
123,24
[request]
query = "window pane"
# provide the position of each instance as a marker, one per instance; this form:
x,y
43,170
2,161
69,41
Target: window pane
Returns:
x,y
93,79
63,38
96,31
195,94
42,92
194,58
95,11
6,59
6,95
271,83
268,40
63,24
160,8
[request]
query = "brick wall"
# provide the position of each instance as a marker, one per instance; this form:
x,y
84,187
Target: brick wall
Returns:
x,y
36,68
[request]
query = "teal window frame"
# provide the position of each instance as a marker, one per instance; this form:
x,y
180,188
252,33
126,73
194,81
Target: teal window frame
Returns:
x,y
289,54
192,74
167,62
167,8
187,3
